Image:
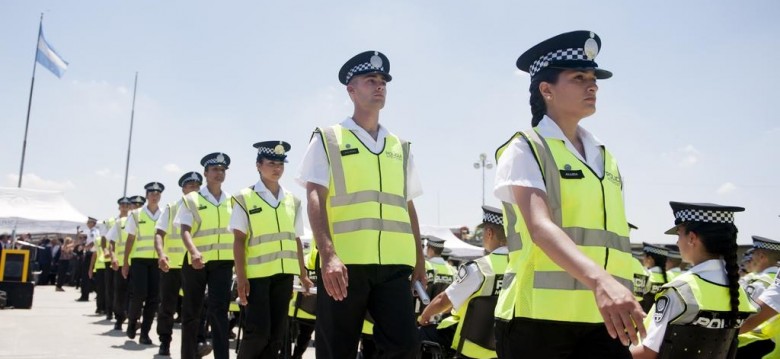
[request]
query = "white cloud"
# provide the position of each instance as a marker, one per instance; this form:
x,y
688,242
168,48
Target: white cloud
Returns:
x,y
725,188
172,168
685,157
33,181
104,172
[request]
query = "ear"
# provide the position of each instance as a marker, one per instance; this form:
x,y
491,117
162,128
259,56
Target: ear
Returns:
x,y
545,89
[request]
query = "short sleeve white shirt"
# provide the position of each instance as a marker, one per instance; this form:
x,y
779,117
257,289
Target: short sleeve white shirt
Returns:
x,y
670,305
468,282
131,227
92,235
315,167
184,214
113,233
771,295
239,220
517,166
165,216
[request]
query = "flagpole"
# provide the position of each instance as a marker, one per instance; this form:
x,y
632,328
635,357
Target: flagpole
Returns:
x,y
29,103
130,140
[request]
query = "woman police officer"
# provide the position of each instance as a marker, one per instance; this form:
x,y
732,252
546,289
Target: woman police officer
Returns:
x,y
567,290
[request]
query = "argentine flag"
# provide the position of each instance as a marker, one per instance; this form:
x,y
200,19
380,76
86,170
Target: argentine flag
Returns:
x,y
49,58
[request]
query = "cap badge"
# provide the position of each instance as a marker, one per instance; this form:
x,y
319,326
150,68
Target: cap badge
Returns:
x,y
348,145
376,61
279,149
567,167
220,158
591,48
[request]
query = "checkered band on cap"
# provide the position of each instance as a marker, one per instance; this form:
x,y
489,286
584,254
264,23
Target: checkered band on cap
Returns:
x,y
703,215
193,177
435,242
218,160
360,68
656,250
558,55
489,217
765,244
268,151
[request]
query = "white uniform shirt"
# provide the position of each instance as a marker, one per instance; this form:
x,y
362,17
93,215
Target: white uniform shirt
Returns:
x,y
771,295
671,305
130,228
104,228
240,221
518,167
113,233
162,222
755,287
315,167
92,235
184,214
468,282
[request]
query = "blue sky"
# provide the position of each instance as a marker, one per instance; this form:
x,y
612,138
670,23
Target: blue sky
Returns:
x,y
689,113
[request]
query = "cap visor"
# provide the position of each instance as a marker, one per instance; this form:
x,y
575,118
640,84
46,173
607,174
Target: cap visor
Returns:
x,y
672,231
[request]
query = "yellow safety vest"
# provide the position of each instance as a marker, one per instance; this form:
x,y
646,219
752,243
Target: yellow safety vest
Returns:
x,y
492,267
143,246
769,329
209,227
172,243
119,245
366,202
270,243
641,279
673,273
656,281
310,260
442,273
590,211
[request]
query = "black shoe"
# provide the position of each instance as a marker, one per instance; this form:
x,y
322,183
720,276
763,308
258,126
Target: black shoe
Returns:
x,y
177,320
204,349
118,326
131,328
82,300
109,316
165,349
144,339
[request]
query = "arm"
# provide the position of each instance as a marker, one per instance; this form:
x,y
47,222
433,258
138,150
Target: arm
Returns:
x,y
92,266
128,248
419,267
440,304
195,256
764,313
621,312
159,244
304,276
334,272
239,255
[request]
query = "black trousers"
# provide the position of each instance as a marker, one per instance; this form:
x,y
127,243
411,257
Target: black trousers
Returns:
x,y
121,295
218,275
100,286
443,336
108,285
86,283
526,338
382,290
145,279
305,330
170,283
266,316
62,273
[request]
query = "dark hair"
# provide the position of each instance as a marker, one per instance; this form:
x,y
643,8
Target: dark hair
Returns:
x,y
538,107
721,239
436,250
659,261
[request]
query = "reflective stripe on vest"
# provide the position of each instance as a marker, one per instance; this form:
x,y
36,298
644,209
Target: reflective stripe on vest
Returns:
x,y
173,246
119,245
492,268
271,247
705,302
590,211
209,228
143,246
368,209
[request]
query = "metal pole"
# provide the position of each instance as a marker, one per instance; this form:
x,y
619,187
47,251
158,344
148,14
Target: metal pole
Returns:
x,y
130,140
483,180
29,103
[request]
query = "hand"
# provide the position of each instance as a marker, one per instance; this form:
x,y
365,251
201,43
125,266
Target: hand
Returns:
x,y
90,274
306,283
197,261
423,321
114,265
621,312
243,290
163,264
419,274
334,276
125,270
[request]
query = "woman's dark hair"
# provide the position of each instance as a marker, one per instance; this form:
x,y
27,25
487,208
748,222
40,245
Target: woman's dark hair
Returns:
x,y
659,261
721,238
538,107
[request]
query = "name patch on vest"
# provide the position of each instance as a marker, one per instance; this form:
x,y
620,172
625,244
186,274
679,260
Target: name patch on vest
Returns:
x,y
255,210
142,222
200,208
350,151
572,174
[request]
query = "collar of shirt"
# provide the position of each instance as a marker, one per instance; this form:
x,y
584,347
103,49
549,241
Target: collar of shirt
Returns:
x,y
437,260
713,270
374,145
262,191
656,269
204,191
151,215
549,129
500,250
770,270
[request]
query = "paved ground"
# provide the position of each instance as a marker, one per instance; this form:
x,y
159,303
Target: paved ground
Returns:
x,y
59,327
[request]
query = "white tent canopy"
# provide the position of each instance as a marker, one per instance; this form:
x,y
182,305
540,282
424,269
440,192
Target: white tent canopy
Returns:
x,y
458,247
37,211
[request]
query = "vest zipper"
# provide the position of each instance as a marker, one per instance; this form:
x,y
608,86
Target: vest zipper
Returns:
x,y
279,229
379,239
603,199
219,225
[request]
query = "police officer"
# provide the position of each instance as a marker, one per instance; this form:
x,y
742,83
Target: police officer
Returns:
x,y
267,225
145,277
761,341
654,260
98,264
116,237
707,238
93,237
170,254
303,307
203,217
360,182
481,277
641,274
673,262
104,260
443,272
566,225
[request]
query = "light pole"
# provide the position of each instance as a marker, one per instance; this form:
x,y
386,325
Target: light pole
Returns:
x,y
483,163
